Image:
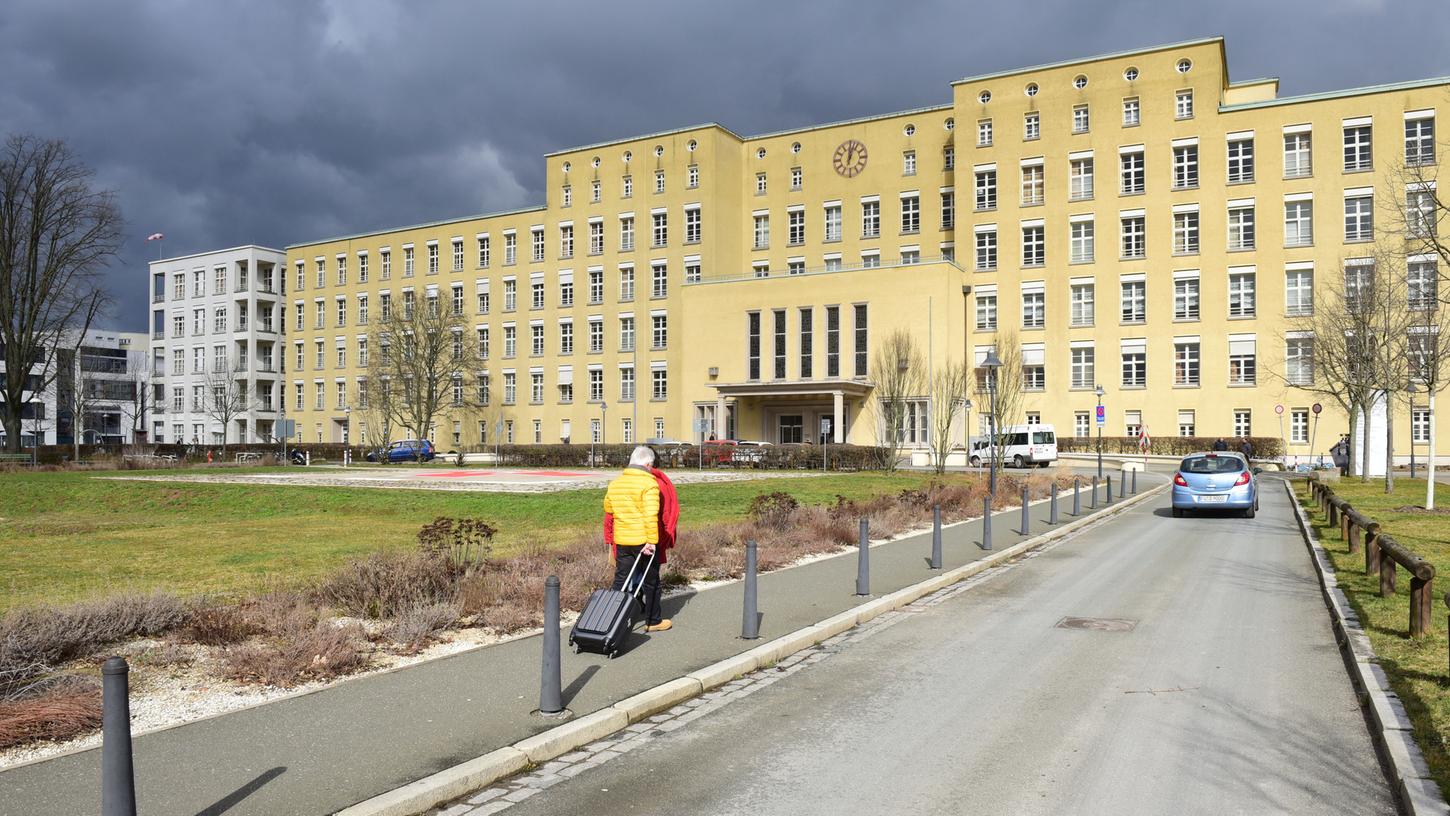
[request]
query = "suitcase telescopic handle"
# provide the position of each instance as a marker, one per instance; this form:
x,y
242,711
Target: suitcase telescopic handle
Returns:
x,y
630,577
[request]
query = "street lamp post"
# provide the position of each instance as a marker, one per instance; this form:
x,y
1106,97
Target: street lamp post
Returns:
x,y
967,405
603,426
1099,392
347,436
1412,390
992,363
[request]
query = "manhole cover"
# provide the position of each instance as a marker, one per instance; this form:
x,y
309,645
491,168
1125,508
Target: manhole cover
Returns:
x,y
1098,624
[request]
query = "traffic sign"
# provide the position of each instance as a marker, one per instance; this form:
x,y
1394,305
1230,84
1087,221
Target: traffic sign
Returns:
x,y
1316,407
1279,409
1102,415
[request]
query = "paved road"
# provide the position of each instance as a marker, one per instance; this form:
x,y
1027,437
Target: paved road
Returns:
x,y
1228,696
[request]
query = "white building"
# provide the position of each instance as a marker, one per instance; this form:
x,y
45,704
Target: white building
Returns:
x,y
108,371
217,322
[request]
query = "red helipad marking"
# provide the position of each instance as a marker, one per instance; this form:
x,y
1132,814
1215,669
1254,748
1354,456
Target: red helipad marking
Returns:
x,y
568,473
453,474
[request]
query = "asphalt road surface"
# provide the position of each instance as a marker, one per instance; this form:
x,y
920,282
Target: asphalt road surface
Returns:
x,y
1227,695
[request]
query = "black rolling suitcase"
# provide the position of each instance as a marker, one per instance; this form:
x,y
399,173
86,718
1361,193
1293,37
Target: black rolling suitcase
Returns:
x,y
608,617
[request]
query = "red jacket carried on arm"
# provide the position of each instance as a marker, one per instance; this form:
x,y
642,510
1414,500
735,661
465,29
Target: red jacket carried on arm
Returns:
x,y
669,516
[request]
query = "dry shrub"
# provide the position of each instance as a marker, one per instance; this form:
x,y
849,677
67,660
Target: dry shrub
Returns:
x,y
772,509
384,583
59,710
415,624
218,625
716,552
508,595
49,636
319,651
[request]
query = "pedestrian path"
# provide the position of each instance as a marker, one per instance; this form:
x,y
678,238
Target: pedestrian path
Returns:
x,y
320,752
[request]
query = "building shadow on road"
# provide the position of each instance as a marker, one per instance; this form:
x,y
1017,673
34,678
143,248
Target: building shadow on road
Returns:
x,y
236,797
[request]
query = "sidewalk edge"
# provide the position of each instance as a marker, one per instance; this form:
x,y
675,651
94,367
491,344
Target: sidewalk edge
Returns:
x,y
444,786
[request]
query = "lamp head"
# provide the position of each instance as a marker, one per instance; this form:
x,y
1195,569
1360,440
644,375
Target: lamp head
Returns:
x,y
1099,392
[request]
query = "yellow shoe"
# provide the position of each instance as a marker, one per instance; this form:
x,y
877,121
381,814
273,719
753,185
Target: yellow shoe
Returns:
x,y
659,627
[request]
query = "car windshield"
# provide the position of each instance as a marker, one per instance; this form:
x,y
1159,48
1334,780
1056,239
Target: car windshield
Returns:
x,y
1211,464
1043,438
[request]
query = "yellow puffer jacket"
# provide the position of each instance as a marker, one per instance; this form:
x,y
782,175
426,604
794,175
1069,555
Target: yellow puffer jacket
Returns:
x,y
634,499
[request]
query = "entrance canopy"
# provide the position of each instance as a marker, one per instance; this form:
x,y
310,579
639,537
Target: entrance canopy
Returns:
x,y
782,402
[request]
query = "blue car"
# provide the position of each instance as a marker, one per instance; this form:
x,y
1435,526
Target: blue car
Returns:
x,y
1215,481
406,450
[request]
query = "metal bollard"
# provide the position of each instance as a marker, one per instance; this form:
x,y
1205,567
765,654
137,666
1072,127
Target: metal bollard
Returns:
x,y
1076,497
863,560
936,536
118,780
986,522
1052,516
750,620
1122,487
1026,527
551,695
1108,498
1093,496
1135,483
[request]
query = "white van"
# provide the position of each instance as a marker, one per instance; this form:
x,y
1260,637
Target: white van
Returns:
x,y
1022,446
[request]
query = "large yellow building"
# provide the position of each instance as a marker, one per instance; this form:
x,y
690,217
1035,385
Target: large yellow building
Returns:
x,y
1134,220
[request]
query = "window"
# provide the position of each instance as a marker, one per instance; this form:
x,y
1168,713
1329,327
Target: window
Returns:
x,y
510,341
1419,425
510,388
626,383
385,307
760,184
833,223
1243,421
1183,105
1034,308
795,227
1081,423
796,178
566,196
1297,160
536,395
594,191
949,157
536,341
870,219
987,311
510,295
596,237
1135,364
762,231
596,286
484,251
1082,370
752,345
1359,218
1079,118
985,186
407,262
861,340
1421,210
659,181
536,244
1133,424
510,248
1031,126
1032,184
908,256
870,259
317,356
1358,149
1134,236
1240,294
566,240
566,290
626,233
910,214
833,342
1131,173
778,355
807,338
1298,223
1299,292
1186,424
1080,241
984,133
1034,371
1185,233
659,280
596,335
626,187
1185,166
986,240
1080,175
1420,138
1082,304
693,225
1034,252
1358,279
1134,299
661,229
341,312
1423,280
693,274
482,333
1240,161
908,162
1240,227
692,176
1185,363
660,337
1299,360
1132,112
948,209
566,337
1241,362
1185,298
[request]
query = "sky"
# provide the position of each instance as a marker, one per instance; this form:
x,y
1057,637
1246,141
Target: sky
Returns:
x,y
283,121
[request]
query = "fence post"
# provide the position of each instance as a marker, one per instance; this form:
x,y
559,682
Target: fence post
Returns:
x,y
1093,496
1421,592
551,696
1026,526
1387,577
1076,497
750,621
1353,534
863,560
1344,524
986,522
936,536
118,780
1052,516
1372,549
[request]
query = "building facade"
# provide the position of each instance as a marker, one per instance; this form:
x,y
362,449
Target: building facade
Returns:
x,y
217,325
99,377
1134,221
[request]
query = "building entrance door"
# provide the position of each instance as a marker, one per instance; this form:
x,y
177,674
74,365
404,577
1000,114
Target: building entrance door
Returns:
x,y
790,429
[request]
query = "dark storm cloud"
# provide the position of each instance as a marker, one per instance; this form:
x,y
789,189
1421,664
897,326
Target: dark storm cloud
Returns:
x,y
279,121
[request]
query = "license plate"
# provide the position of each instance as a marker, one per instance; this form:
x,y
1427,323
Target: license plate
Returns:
x,y
1212,499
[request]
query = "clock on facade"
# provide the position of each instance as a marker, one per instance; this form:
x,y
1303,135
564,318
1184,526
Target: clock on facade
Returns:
x,y
850,158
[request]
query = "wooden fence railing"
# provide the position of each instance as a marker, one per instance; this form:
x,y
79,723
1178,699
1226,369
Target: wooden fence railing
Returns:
x,y
1382,553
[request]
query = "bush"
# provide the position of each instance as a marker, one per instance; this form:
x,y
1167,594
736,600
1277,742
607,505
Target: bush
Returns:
x,y
316,651
463,543
415,624
773,509
1264,446
49,636
59,710
384,583
217,625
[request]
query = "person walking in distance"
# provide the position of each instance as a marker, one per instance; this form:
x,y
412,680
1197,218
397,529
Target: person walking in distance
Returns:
x,y
1220,445
1247,449
632,527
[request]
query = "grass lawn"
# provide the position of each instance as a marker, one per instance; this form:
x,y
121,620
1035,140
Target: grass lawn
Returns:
x,y
1417,668
68,536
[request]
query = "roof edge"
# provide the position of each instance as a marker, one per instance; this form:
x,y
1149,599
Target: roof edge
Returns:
x,y
215,252
857,120
670,132
1315,97
1096,57
439,223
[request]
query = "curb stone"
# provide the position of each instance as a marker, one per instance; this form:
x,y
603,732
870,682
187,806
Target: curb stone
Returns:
x,y
1392,730
445,786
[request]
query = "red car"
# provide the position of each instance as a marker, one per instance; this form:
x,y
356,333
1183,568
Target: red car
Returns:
x,y
717,452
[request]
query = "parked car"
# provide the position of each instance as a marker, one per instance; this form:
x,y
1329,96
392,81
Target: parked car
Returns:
x,y
717,452
1215,481
749,453
1022,446
404,450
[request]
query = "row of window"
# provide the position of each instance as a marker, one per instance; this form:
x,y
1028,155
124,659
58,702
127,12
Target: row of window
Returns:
x,y
220,278
1133,360
477,390
221,361
626,186
220,321
771,327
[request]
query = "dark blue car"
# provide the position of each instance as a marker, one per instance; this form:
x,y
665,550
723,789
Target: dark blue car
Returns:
x,y
405,450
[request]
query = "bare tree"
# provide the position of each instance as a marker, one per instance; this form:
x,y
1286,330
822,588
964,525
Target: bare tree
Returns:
x,y
57,234
226,399
900,376
950,386
139,405
1008,379
1421,210
1394,314
377,395
426,356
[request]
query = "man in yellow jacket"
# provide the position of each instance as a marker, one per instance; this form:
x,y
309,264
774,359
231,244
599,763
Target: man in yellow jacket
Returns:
x,y
633,499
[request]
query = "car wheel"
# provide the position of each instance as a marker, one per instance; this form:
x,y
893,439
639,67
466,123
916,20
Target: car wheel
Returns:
x,y
1017,461
1249,512
1177,513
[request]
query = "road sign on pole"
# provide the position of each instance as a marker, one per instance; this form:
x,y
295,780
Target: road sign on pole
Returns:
x,y
1102,415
